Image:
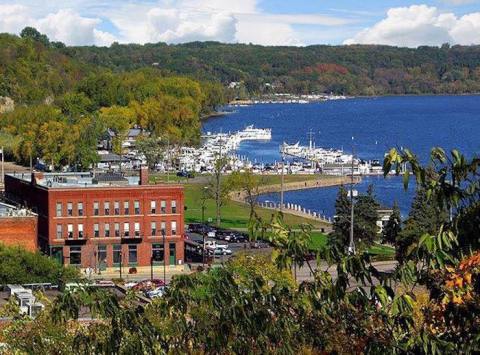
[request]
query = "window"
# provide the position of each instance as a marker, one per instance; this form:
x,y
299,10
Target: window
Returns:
x,y
153,206
174,228
132,254
157,252
126,229
117,253
116,206
76,255
136,206
102,254
69,209
95,208
59,209
106,206
137,229
107,230
59,231
117,229
80,231
96,230
163,206
70,231
153,226
126,207
163,228
174,206
80,208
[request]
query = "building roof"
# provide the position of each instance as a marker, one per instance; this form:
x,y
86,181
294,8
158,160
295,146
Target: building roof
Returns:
x,y
111,158
78,180
7,210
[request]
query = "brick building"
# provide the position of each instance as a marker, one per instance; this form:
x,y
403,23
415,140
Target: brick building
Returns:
x,y
103,220
18,227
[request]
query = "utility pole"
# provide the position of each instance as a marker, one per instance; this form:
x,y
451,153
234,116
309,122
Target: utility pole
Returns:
x,y
2,150
164,259
351,246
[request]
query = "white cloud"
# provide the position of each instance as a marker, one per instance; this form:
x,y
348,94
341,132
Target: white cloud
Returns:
x,y
173,26
220,20
421,25
64,25
81,22
69,27
13,18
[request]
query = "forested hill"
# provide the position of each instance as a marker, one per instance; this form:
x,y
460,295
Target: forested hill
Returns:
x,y
354,70
56,106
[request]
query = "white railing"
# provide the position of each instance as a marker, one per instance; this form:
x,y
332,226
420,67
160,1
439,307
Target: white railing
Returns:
x,y
296,209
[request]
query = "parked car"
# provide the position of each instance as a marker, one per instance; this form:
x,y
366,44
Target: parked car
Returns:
x,y
148,284
222,251
157,292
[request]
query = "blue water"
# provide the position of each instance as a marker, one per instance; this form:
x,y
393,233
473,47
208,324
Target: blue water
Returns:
x,y
377,124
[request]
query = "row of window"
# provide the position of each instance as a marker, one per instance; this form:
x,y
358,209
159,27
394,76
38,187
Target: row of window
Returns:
x,y
107,211
118,257
156,229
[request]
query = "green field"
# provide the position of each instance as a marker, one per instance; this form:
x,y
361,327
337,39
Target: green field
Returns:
x,y
234,214
378,251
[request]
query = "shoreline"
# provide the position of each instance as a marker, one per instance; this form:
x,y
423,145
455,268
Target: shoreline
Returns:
x,y
239,196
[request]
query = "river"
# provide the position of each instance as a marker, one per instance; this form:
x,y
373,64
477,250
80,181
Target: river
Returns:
x,y
377,124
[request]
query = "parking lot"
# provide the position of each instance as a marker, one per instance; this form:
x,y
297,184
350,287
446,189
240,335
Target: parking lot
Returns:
x,y
223,243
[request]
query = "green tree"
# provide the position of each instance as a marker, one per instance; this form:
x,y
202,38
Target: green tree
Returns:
x,y
393,226
218,187
425,217
19,266
365,219
152,147
32,33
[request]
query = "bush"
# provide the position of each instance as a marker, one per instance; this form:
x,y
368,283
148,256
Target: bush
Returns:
x,y
19,266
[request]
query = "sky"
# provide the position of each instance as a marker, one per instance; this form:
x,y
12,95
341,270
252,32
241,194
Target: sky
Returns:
x,y
266,22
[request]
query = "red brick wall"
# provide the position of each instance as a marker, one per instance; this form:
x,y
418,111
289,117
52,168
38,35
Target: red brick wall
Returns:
x,y
20,231
44,201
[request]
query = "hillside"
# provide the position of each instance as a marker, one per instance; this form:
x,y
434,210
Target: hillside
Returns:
x,y
63,105
354,70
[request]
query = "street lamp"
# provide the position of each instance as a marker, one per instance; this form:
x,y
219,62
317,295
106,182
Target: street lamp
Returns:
x,y
203,224
351,245
164,258
151,267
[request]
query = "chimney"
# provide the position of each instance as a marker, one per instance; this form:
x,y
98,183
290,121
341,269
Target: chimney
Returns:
x,y
36,175
143,175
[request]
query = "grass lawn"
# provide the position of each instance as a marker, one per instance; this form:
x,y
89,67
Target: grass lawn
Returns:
x,y
378,251
319,240
234,214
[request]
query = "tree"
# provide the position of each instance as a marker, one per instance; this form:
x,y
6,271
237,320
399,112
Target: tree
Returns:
x,y
393,226
32,33
247,186
425,216
341,221
152,147
20,266
365,219
218,188
75,104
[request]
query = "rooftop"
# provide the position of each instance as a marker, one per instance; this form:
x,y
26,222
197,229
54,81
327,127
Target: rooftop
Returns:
x,y
7,210
79,179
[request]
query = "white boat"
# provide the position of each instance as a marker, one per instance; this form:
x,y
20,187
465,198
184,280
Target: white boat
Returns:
x,y
252,133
